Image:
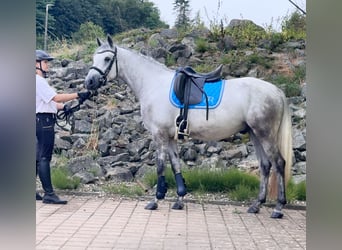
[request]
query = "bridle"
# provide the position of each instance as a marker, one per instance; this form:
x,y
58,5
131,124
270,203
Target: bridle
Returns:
x,y
113,60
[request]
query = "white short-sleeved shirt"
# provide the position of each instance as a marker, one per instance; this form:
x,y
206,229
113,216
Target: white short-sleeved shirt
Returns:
x,y
44,95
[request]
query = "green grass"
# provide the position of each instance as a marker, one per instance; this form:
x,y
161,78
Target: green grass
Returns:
x,y
238,185
296,191
125,189
62,180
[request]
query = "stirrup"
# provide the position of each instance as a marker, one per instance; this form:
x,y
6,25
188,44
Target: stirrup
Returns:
x,y
183,130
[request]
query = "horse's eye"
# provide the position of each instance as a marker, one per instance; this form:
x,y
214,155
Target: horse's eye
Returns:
x,y
107,59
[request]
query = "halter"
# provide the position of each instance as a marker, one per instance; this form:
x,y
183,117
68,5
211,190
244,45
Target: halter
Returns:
x,y
104,74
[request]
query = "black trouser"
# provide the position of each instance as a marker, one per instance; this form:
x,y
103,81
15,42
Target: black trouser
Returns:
x,y
45,134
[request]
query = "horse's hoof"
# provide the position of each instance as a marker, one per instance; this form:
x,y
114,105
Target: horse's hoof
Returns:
x,y
152,205
253,210
277,215
178,205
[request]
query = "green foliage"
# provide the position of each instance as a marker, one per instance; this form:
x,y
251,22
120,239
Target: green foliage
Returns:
x,y
294,26
170,60
243,193
123,189
206,180
182,8
290,84
276,40
287,84
113,16
246,35
203,68
239,185
88,32
256,59
61,179
301,191
296,191
40,17
202,45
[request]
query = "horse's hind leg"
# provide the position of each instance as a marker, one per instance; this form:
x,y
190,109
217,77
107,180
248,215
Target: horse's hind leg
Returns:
x,y
269,155
180,183
264,166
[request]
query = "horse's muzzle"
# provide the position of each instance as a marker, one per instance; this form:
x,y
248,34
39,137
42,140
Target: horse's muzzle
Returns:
x,y
94,82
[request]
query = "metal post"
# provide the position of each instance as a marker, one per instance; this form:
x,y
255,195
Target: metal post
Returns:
x,y
46,23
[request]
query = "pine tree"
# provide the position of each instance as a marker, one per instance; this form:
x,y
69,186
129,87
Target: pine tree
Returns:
x,y
182,8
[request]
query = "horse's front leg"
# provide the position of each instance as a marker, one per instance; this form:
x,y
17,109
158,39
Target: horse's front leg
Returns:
x,y
161,183
176,168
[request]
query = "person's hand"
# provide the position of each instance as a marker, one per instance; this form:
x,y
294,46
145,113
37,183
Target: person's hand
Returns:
x,y
83,96
67,110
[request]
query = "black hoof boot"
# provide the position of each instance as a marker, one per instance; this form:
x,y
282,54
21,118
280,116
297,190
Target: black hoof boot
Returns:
x,y
152,205
253,210
179,205
161,188
277,215
181,188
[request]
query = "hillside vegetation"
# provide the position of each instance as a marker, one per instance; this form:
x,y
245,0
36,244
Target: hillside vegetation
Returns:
x,y
242,46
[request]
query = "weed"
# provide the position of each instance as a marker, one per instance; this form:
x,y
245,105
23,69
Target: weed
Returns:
x,y
289,84
203,68
62,180
301,191
125,189
243,193
296,191
170,60
202,45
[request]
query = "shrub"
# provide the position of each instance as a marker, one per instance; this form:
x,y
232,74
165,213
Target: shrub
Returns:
x,y
246,35
202,45
61,179
289,84
88,32
296,191
294,26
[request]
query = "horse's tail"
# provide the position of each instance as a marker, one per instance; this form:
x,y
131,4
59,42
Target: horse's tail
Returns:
x,y
285,147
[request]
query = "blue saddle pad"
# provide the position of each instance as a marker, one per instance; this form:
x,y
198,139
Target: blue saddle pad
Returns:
x,y
214,91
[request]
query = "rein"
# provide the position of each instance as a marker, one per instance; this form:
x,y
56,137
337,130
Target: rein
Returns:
x,y
61,115
104,74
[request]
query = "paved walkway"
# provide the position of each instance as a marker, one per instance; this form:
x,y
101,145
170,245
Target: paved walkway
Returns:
x,y
112,223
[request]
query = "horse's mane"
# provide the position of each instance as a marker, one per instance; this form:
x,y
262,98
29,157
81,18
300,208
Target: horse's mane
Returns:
x,y
144,57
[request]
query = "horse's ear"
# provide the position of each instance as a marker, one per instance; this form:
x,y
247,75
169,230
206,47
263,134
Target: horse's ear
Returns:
x,y
110,41
99,42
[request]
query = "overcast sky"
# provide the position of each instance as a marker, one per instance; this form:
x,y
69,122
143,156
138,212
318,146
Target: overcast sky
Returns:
x,y
261,12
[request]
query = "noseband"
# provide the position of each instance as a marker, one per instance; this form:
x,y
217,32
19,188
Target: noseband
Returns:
x,y
104,74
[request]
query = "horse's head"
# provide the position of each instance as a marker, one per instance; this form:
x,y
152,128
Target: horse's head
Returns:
x,y
103,61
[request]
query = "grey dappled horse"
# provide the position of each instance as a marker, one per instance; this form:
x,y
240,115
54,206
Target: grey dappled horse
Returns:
x,y
248,104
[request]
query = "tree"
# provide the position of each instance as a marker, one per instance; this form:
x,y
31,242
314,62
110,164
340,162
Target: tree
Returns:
x,y
182,8
113,16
